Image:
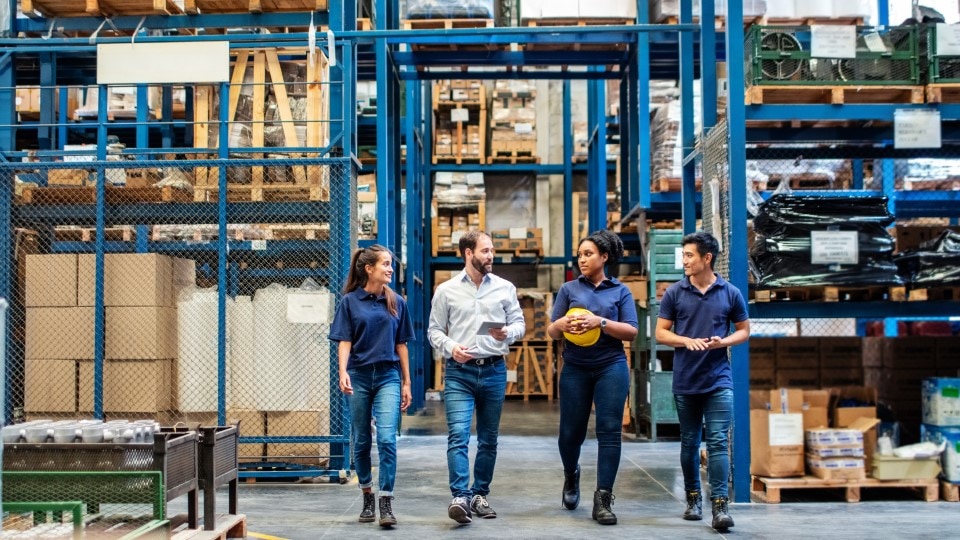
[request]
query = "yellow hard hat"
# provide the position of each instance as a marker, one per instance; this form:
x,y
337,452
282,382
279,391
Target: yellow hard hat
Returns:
x,y
587,338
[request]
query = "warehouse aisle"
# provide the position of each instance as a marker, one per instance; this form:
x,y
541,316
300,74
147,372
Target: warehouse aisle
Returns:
x,y
526,495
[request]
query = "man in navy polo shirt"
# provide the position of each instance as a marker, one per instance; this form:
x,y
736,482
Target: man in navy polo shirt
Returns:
x,y
695,317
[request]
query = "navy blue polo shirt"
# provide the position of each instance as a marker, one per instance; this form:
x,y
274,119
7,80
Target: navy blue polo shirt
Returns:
x,y
610,300
702,315
363,319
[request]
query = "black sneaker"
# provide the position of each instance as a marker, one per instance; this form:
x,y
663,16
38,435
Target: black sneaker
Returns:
x,y
369,512
459,510
721,514
694,511
481,508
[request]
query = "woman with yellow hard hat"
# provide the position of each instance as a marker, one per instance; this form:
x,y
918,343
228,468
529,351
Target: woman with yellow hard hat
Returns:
x,y
594,314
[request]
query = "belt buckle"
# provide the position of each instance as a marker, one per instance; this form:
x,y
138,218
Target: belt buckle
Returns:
x,y
481,361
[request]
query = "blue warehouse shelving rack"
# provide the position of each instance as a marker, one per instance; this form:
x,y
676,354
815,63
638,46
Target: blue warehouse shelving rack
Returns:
x,y
50,60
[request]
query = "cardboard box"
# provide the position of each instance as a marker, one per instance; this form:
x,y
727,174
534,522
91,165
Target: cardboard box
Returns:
x,y
141,333
841,352
910,353
837,468
799,378
776,444
50,385
59,333
940,398
137,386
129,279
51,280
298,423
948,353
816,404
851,402
895,468
763,353
872,351
798,353
850,376
762,379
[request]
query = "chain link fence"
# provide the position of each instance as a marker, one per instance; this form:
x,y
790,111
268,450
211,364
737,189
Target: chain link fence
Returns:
x,y
172,287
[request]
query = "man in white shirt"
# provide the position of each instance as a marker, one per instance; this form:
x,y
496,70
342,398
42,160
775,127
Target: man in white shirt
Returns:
x,y
475,374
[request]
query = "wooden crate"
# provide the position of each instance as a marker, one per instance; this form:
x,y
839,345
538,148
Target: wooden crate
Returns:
x,y
265,65
441,208
530,369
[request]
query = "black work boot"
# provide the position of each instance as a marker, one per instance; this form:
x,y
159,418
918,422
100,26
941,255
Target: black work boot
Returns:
x,y
694,511
387,518
721,514
602,513
571,489
369,512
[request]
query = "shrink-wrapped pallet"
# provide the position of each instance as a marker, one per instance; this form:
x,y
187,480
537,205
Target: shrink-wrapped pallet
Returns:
x,y
197,350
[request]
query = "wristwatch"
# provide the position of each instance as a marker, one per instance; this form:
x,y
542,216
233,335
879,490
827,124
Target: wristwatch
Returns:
x,y
603,325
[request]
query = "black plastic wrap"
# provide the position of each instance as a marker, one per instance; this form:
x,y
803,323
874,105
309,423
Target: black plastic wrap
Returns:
x,y
933,265
781,252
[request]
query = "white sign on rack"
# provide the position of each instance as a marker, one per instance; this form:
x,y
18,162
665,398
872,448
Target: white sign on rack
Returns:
x,y
948,39
833,41
916,128
833,247
459,115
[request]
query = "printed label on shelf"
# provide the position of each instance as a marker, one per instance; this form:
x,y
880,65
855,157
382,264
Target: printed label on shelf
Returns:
x,y
916,128
874,42
523,127
518,233
833,41
833,247
258,245
948,39
786,429
512,375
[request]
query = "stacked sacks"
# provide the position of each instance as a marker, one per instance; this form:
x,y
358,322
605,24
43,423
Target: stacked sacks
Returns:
x,y
811,240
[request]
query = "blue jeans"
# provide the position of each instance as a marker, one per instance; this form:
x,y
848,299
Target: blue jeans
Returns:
x,y
606,389
376,391
713,413
469,387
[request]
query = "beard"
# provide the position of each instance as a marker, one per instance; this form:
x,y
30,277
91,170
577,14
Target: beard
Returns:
x,y
484,269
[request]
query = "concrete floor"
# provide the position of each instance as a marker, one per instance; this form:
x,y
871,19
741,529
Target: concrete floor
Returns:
x,y
526,495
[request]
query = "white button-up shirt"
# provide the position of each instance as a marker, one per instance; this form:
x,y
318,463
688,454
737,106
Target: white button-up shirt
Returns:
x,y
459,307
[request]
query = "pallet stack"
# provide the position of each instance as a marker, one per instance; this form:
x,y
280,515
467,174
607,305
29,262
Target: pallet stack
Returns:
x,y
518,241
513,133
460,121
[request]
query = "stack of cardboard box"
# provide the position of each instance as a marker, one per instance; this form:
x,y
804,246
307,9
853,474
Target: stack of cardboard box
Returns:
x,y
517,239
513,114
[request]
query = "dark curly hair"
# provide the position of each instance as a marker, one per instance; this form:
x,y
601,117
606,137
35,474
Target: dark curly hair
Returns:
x,y
608,244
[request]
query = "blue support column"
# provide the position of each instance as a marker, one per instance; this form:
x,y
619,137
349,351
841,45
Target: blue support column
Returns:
x,y
223,154
48,78
98,307
642,82
388,135
419,350
63,119
143,117
708,66
688,194
597,155
567,181
857,169
740,355
166,113
888,176
7,137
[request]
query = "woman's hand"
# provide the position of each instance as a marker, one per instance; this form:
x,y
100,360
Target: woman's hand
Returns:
x,y
573,324
345,386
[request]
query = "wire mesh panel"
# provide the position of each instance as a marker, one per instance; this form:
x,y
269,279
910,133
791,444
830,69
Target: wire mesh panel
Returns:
x,y
716,192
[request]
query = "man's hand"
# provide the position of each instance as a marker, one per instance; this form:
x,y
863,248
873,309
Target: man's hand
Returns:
x,y
345,386
460,354
498,334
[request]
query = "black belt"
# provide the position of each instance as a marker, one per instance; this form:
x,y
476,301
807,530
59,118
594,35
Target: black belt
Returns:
x,y
487,361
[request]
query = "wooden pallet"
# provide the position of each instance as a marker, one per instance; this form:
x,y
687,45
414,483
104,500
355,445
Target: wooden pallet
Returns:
x,y
252,6
296,231
949,491
451,24
97,8
263,193
763,20
114,195
934,294
123,233
809,181
446,252
521,252
831,293
577,22
768,489
533,365
943,93
934,184
512,158
664,185
459,160
364,24
835,95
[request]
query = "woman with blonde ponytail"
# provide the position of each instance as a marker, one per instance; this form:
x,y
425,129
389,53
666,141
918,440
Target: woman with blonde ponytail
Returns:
x,y
372,327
